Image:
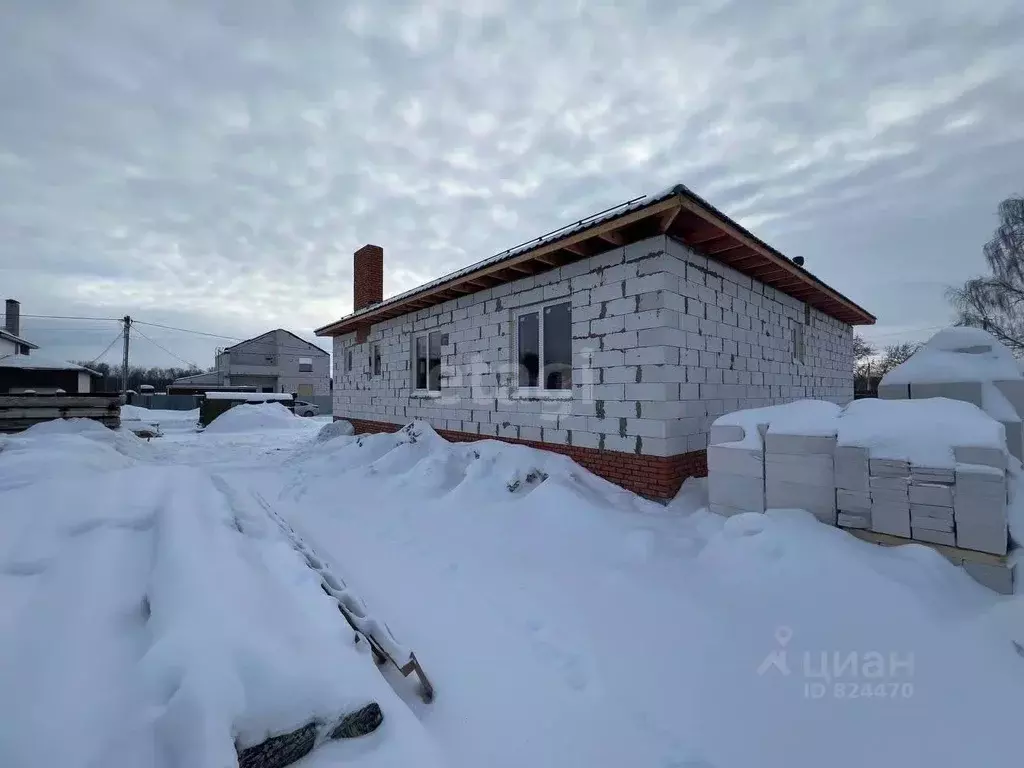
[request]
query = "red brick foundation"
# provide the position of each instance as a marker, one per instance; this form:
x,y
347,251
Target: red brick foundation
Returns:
x,y
657,477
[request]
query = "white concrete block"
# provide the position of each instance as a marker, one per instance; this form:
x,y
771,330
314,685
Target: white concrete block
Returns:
x,y
736,491
990,457
893,519
853,519
982,537
889,496
933,537
810,469
737,461
799,444
889,468
928,510
979,481
786,495
931,523
852,481
852,454
893,392
932,475
726,433
851,501
968,391
890,483
996,577
938,495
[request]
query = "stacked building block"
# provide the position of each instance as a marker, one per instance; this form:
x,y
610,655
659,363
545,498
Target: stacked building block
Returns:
x,y
853,490
979,508
735,471
799,472
890,496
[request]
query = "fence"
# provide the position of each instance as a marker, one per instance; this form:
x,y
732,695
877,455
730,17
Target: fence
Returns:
x,y
188,402
165,402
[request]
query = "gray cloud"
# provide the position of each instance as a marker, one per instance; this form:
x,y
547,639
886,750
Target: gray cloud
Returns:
x,y
212,165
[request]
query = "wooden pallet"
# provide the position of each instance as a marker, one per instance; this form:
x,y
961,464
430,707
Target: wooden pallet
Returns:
x,y
19,412
956,555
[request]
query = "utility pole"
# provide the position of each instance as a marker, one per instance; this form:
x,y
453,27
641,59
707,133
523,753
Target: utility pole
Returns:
x,y
124,373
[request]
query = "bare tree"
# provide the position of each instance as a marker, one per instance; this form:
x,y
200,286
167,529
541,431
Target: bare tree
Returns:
x,y
995,303
861,348
894,355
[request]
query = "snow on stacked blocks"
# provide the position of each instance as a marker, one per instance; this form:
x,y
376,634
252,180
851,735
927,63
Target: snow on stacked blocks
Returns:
x,y
934,471
736,462
966,364
759,458
922,456
799,459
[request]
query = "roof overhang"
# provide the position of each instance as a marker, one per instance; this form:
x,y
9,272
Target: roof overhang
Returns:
x,y
678,213
5,334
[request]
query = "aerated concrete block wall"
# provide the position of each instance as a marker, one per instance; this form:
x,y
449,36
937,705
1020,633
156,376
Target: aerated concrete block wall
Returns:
x,y
664,342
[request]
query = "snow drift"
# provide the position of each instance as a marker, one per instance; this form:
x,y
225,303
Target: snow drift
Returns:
x,y
415,459
249,417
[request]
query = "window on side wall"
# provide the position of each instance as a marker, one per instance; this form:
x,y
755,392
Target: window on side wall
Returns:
x,y
426,366
543,348
305,365
376,359
798,343
348,361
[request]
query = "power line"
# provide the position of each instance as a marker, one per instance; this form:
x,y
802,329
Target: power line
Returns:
x,y
186,330
228,338
109,346
161,346
65,317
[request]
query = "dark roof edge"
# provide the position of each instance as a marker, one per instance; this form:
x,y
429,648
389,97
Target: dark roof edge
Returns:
x,y
636,204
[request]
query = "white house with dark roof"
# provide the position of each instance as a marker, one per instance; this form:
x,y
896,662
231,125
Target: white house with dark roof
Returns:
x,y
22,371
11,342
616,340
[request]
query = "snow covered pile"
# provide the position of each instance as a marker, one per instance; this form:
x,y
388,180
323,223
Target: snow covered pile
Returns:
x,y
924,432
251,417
67,446
132,415
921,431
531,613
965,364
340,428
957,354
747,428
416,459
159,617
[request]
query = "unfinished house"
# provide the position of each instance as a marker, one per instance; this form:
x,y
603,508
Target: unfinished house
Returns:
x,y
616,340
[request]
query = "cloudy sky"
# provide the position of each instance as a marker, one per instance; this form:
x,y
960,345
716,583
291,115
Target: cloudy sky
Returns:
x,y
211,165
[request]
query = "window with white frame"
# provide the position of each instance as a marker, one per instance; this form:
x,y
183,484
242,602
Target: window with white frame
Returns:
x,y
426,362
543,347
305,365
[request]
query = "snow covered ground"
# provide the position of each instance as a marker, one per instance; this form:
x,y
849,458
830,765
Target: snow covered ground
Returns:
x,y
151,611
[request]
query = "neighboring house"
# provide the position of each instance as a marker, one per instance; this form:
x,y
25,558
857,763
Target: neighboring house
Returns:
x,y
21,371
276,361
10,341
616,340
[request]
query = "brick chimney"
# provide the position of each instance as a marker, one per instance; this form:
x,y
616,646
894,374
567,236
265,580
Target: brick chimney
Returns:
x,y
12,312
367,277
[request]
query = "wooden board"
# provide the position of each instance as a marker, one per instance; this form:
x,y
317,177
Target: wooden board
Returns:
x,y
60,401
955,554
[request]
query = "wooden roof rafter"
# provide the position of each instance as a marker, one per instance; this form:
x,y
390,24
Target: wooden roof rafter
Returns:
x,y
677,212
